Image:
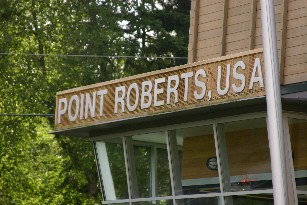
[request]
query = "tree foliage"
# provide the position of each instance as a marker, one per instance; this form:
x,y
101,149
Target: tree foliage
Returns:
x,y
38,168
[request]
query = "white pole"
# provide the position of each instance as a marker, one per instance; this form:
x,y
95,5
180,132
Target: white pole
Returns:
x,y
273,98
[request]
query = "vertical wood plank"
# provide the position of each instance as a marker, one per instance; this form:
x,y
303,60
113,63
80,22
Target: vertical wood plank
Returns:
x,y
283,40
224,31
195,31
253,24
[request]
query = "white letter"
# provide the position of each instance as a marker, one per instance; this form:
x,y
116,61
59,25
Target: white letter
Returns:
x,y
101,93
200,84
137,94
254,79
186,77
219,76
238,76
146,94
60,110
172,90
81,106
89,104
158,91
119,99
70,116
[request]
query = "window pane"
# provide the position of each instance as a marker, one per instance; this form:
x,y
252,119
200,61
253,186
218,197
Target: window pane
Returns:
x,y
142,159
298,130
254,199
111,163
302,199
197,155
163,175
247,163
199,201
151,162
157,202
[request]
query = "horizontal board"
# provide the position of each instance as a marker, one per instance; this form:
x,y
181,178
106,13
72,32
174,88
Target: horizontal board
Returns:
x,y
238,45
206,3
297,32
244,26
238,50
298,13
211,9
297,41
298,50
295,78
294,5
236,3
238,19
237,36
209,34
203,52
296,68
294,60
211,17
296,23
239,9
210,42
211,56
210,26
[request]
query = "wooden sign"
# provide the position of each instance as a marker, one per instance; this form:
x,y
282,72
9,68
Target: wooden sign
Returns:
x,y
198,84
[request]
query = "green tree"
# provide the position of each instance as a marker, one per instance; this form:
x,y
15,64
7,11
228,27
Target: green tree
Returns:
x,y
38,168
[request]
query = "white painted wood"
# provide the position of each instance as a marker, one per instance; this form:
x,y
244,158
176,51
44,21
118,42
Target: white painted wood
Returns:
x,y
105,171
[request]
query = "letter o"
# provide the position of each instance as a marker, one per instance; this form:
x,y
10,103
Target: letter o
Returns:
x,y
137,92
72,99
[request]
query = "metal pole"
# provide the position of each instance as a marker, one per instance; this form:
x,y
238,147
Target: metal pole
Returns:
x,y
273,98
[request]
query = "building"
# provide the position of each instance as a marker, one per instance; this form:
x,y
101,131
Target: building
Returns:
x,y
197,133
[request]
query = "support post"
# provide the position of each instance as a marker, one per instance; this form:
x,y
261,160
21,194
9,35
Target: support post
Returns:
x,y
273,98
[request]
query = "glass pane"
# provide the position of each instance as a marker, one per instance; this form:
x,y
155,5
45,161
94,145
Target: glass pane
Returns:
x,y
302,199
111,162
298,130
157,202
199,201
252,199
247,163
163,175
142,159
197,155
151,162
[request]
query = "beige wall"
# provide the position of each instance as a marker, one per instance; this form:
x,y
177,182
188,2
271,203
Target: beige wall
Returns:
x,y
223,27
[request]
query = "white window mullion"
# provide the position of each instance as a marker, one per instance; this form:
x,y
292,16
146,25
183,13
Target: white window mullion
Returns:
x,y
153,172
174,165
223,165
104,169
130,168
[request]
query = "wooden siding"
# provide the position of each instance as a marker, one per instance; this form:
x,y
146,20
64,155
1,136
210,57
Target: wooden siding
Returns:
x,y
247,150
215,32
